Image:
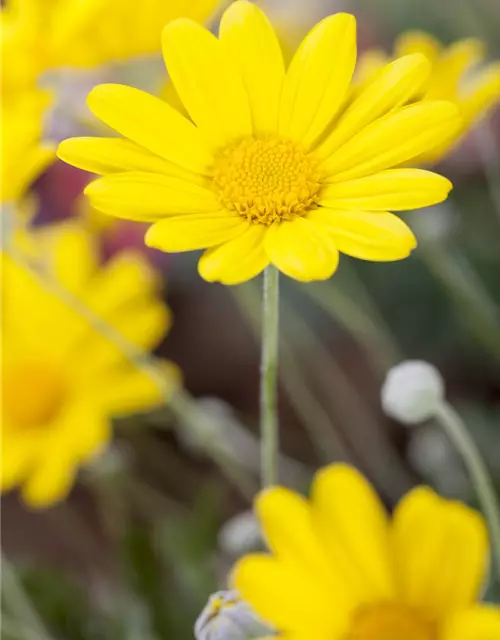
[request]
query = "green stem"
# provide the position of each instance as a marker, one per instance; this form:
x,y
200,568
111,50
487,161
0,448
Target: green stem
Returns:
x,y
268,378
457,432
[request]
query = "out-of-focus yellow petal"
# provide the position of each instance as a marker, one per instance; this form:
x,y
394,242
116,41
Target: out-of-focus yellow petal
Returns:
x,y
417,42
237,260
301,250
151,123
450,68
198,231
71,255
251,42
354,527
392,140
393,189
207,81
318,78
391,87
149,196
481,94
430,533
367,235
481,622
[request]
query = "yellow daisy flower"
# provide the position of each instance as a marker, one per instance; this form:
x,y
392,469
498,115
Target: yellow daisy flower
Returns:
x,y
339,569
456,75
63,382
273,165
24,155
52,34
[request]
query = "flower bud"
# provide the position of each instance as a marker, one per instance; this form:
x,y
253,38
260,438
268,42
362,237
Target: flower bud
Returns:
x,y
241,534
412,391
227,617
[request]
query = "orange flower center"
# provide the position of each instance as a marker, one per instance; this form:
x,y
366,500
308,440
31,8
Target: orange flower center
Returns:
x,y
390,622
32,395
266,179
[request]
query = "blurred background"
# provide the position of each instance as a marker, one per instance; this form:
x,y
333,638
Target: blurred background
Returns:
x,y
155,522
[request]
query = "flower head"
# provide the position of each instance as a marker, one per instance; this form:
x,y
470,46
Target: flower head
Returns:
x,y
227,617
340,569
274,165
62,381
412,391
70,33
456,75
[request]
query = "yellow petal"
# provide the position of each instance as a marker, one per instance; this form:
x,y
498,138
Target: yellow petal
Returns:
x,y
113,155
300,250
19,453
441,552
388,89
450,68
149,196
417,42
368,235
151,123
481,622
318,78
392,140
237,260
482,94
393,189
250,41
285,598
51,479
73,255
354,527
128,390
207,82
190,232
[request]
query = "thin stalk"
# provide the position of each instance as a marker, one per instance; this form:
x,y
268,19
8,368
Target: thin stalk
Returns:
x,y
269,378
455,428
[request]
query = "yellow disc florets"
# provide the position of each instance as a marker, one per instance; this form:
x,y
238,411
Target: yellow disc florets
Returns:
x,y
390,622
266,179
33,394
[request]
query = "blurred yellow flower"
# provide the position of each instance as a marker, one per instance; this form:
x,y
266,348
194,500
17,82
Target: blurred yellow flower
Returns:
x,y
24,154
339,569
62,381
275,166
456,75
51,34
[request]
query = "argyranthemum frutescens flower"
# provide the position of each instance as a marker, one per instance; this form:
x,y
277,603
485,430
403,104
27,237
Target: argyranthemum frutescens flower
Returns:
x,y
340,569
274,167
71,33
62,381
456,75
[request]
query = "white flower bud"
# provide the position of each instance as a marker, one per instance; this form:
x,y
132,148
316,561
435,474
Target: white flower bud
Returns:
x,y
412,391
240,534
227,617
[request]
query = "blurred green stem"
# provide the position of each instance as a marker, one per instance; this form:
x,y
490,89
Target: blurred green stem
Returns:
x,y
457,432
20,606
269,378
359,318
467,291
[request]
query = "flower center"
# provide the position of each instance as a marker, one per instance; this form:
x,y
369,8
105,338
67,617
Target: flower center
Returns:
x,y
390,622
32,395
266,179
